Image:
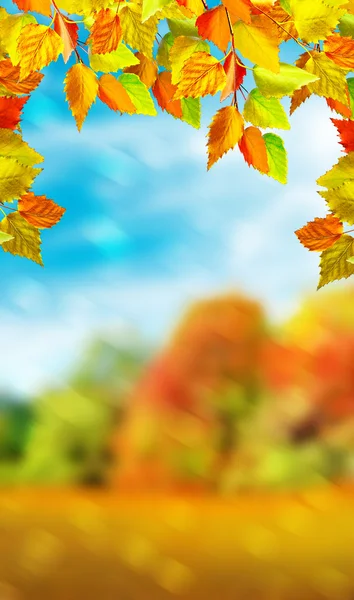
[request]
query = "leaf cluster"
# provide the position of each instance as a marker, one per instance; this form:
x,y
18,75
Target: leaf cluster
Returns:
x,y
125,63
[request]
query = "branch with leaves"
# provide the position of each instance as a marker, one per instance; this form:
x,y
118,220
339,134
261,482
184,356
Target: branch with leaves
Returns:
x,y
125,63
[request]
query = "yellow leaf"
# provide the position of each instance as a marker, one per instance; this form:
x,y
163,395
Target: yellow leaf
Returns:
x,y
10,29
182,49
106,32
112,93
331,83
13,146
15,179
334,261
225,131
259,42
26,240
202,74
38,46
315,19
81,87
138,35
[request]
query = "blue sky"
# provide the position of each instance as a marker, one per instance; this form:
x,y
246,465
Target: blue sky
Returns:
x,y
148,229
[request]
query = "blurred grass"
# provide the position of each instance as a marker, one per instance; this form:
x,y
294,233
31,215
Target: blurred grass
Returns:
x,y
73,545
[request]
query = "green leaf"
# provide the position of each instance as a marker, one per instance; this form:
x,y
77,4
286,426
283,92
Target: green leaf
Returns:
x,y
346,25
341,201
285,4
163,53
15,179
5,237
138,93
265,112
284,83
277,157
13,146
336,262
340,173
113,61
191,111
182,27
26,240
350,82
150,7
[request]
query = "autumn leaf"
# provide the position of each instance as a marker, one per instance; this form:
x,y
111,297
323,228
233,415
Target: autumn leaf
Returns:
x,y
201,75
239,9
340,173
138,93
338,107
112,93
341,201
15,178
182,49
258,42
277,157
320,234
137,34
346,133
25,240
235,74
39,211
225,131
68,31
113,61
164,91
38,46
254,150
340,50
106,32
331,82
13,146
194,6
146,70
81,87
213,25
265,112
335,263
315,20
10,111
299,97
10,79
283,83
40,6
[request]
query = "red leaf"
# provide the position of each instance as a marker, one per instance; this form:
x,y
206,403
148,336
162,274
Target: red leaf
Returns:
x,y
346,133
68,31
235,75
10,111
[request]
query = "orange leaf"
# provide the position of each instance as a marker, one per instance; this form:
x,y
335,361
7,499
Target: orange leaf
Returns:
x,y
235,75
239,9
340,50
112,93
39,211
201,75
146,70
213,25
164,91
339,107
346,133
68,31
253,148
106,32
81,87
40,6
10,75
225,131
299,97
10,111
320,234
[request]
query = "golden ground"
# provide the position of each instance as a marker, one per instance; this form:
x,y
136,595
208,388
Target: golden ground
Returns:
x,y
69,545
